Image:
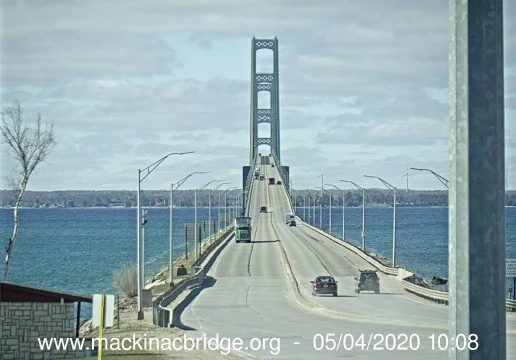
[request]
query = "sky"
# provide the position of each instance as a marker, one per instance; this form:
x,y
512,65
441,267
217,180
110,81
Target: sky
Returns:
x,y
363,89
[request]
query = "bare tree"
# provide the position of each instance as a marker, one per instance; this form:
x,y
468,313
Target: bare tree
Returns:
x,y
29,147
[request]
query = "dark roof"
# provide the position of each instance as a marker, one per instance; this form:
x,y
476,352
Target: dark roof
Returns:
x,y
11,292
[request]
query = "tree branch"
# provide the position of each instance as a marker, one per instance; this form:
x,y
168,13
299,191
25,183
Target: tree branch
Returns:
x,y
28,147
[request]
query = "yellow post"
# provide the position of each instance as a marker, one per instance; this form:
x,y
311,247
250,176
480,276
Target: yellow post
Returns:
x,y
101,325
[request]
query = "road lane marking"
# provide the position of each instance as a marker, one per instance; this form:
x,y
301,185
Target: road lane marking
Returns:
x,y
317,309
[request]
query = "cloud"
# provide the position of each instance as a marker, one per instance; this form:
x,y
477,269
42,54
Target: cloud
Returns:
x,y
401,133
52,57
363,84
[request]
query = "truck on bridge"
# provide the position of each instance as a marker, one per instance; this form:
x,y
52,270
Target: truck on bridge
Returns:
x,y
243,229
271,181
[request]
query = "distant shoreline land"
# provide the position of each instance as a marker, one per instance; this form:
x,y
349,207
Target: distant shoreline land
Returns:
x,y
185,198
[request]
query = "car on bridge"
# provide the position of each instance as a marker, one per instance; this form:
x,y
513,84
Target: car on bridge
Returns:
x,y
290,219
367,280
263,209
278,183
262,177
324,285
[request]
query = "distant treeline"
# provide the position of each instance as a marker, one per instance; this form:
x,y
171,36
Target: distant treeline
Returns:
x,y
185,198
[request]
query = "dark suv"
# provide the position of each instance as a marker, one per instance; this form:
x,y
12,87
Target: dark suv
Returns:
x,y
324,285
367,280
263,209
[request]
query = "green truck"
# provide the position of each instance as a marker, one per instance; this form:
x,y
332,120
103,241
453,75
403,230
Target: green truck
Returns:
x,y
243,229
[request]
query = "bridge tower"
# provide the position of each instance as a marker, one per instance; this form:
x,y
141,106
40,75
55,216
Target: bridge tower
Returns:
x,y
268,82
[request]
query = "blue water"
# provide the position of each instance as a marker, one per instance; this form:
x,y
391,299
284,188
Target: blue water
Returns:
x,y
421,234
77,250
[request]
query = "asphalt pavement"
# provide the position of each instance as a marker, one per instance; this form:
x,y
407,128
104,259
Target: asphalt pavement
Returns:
x,y
261,290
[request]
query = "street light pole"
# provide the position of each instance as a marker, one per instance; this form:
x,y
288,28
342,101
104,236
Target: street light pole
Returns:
x,y
320,203
295,201
363,211
310,211
313,217
235,197
144,221
225,210
225,213
363,219
310,216
139,243
330,211
439,177
244,194
227,221
304,208
138,249
171,245
197,242
209,211
171,255
343,210
195,224
391,187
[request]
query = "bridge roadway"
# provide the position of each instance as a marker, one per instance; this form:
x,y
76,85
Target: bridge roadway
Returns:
x,y
250,297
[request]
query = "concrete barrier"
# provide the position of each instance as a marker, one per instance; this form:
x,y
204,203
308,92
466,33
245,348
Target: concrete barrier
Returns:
x,y
164,316
430,294
403,274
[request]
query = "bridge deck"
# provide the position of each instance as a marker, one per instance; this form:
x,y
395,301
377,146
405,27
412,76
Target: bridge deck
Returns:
x,y
250,296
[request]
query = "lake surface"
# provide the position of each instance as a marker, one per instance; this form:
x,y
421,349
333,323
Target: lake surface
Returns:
x,y
77,249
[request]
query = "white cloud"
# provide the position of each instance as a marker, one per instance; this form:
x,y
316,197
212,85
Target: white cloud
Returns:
x,y
363,84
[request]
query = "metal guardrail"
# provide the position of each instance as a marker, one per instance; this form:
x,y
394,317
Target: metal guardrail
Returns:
x,y
435,295
163,316
442,296
430,294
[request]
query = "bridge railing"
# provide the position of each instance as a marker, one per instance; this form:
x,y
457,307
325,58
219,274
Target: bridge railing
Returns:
x,y
442,296
163,316
421,291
